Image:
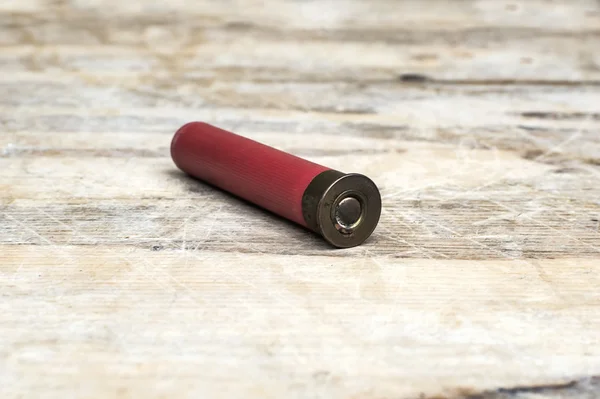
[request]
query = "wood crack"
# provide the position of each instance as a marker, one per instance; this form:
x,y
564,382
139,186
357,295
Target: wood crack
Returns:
x,y
587,387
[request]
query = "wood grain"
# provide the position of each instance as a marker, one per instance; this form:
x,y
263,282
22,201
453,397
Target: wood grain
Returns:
x,y
479,120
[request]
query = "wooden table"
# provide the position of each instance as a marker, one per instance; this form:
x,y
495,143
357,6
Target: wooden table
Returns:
x,y
122,278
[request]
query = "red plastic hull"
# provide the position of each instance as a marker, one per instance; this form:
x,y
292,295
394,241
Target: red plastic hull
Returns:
x,y
265,176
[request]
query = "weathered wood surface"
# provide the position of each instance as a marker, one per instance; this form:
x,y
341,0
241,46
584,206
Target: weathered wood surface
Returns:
x,y
480,120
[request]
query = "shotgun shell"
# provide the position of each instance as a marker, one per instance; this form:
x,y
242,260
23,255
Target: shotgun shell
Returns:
x,y
343,208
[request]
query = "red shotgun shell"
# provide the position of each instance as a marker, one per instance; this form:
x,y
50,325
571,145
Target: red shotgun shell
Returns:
x,y
343,208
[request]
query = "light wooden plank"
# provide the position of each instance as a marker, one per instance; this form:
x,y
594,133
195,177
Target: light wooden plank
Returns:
x,y
493,204
153,323
381,15
531,58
